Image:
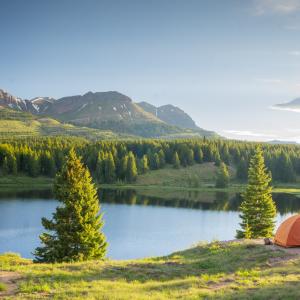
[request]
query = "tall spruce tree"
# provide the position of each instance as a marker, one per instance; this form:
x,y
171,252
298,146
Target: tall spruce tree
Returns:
x,y
162,158
258,209
123,167
217,158
144,166
198,154
33,165
190,157
74,233
154,162
176,161
99,172
5,167
241,171
109,168
222,176
13,165
131,173
47,164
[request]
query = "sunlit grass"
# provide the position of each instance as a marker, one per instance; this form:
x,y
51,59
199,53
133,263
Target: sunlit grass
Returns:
x,y
237,270
2,287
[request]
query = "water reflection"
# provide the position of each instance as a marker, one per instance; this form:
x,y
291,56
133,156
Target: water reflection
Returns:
x,y
219,201
137,223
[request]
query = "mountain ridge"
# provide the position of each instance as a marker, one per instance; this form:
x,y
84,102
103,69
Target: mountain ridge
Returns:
x,y
170,114
109,110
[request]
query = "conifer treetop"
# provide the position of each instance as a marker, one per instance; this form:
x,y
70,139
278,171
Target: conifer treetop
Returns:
x,y
74,232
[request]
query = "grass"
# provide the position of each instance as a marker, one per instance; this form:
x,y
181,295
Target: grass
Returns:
x,y
3,287
192,176
236,270
24,183
197,178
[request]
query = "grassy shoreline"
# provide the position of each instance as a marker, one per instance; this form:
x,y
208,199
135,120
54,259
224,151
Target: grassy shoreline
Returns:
x,y
27,183
220,270
24,183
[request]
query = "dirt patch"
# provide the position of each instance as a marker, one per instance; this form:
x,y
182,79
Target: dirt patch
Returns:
x,y
222,284
292,251
278,260
289,254
10,280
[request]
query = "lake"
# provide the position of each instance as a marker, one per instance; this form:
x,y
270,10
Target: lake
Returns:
x,y
137,223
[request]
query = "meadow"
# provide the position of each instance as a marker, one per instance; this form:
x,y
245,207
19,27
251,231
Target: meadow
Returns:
x,y
232,270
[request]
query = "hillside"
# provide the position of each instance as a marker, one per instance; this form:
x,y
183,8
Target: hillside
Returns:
x,y
234,270
109,111
98,107
22,124
117,112
170,114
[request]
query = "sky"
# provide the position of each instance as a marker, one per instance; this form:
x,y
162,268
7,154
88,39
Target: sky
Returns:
x,y
226,63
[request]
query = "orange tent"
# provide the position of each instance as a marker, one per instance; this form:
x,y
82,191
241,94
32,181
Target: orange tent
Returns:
x,y
288,233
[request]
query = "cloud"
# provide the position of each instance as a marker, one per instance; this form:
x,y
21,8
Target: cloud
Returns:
x,y
275,107
249,133
276,6
285,135
294,53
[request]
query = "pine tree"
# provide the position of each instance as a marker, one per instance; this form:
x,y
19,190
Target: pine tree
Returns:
x,y
285,170
123,167
33,165
207,153
247,233
217,158
190,157
222,176
225,155
144,167
257,209
47,164
241,172
99,172
176,161
131,173
74,233
154,162
162,159
198,154
109,169
13,165
5,168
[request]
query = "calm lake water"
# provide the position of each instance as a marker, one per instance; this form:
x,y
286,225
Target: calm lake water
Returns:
x,y
137,223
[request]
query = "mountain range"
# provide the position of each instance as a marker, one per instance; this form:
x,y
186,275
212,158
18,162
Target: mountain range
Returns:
x,y
110,111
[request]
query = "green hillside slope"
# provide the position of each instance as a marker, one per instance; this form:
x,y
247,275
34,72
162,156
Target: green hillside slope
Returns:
x,y
21,124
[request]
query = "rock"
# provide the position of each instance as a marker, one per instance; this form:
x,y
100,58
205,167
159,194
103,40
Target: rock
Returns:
x,y
268,241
